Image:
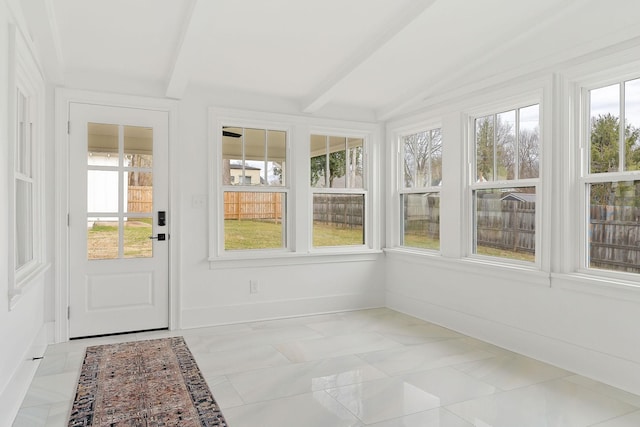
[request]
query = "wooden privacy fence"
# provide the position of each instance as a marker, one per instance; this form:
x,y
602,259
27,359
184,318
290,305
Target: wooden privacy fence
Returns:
x,y
341,210
614,234
139,198
506,224
254,206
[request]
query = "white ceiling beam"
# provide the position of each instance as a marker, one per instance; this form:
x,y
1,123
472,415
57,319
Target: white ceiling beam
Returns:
x,y
325,91
43,28
186,56
467,66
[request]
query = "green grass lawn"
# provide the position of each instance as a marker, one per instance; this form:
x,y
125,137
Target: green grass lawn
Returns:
x,y
249,234
502,253
102,240
421,242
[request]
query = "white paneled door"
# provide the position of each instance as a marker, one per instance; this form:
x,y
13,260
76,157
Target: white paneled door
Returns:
x,y
118,220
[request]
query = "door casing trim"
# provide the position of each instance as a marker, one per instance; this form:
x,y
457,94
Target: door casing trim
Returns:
x,y
63,98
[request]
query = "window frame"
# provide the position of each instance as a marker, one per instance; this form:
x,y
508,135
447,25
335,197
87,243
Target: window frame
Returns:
x,y
26,78
403,190
495,109
364,191
218,245
584,176
299,130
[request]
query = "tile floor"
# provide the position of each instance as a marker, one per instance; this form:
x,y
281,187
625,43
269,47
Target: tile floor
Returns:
x,y
364,368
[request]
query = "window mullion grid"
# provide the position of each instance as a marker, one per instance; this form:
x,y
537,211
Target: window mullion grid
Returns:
x,y
121,184
495,148
516,147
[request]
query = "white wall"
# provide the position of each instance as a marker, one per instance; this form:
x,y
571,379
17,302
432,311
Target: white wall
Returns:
x,y
22,328
585,324
221,295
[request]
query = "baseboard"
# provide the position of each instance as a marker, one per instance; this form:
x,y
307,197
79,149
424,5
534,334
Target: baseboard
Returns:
x,y
13,395
607,368
269,310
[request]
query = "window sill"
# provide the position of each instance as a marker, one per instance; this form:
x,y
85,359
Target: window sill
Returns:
x,y
616,288
290,258
25,282
523,273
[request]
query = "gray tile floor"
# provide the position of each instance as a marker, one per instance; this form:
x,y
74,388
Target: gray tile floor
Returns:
x,y
363,368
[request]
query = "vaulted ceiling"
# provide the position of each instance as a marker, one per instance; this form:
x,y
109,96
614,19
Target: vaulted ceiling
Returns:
x,y
381,56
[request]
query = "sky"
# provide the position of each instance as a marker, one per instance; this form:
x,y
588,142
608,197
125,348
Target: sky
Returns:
x,y
607,100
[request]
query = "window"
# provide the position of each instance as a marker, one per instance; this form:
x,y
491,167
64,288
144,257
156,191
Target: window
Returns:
x,y
25,195
506,153
339,198
421,169
254,188
611,177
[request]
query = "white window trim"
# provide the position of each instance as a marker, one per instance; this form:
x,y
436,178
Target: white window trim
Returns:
x,y
584,177
542,210
402,190
26,76
299,199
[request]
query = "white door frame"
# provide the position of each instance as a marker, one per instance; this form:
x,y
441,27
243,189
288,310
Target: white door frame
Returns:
x,y
63,98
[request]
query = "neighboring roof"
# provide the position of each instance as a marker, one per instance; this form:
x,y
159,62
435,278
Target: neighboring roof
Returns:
x,y
521,197
246,167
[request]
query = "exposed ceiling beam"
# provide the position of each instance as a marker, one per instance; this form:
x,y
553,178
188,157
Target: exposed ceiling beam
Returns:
x,y
43,27
466,66
326,90
186,56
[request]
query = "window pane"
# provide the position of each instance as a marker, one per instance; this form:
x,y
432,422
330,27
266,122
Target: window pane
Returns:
x,y
23,147
102,238
421,220
338,219
138,195
136,238
318,150
614,226
435,135
102,144
24,223
484,149
276,157
422,159
505,151
138,146
254,220
232,155
605,129
337,162
102,191
504,223
632,125
529,142
355,162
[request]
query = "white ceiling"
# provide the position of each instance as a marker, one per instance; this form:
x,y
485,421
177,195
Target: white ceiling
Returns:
x,y
380,56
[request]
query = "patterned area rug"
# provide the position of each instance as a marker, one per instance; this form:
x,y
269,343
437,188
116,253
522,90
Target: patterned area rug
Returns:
x,y
143,383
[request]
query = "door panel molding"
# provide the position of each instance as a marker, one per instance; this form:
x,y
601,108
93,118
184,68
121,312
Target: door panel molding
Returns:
x,y
63,100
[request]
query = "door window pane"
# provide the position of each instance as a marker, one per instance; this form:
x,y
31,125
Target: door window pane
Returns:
x,y
102,144
421,220
102,191
138,194
103,238
338,219
254,220
505,223
137,243
138,146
